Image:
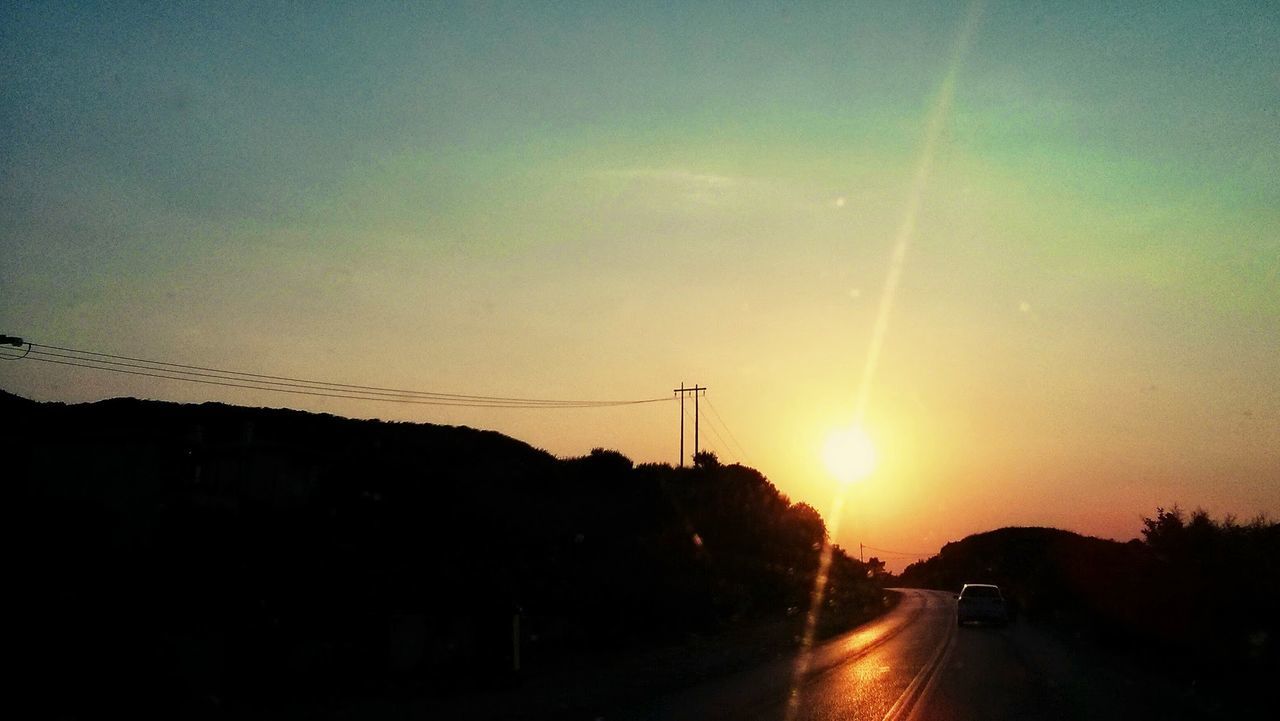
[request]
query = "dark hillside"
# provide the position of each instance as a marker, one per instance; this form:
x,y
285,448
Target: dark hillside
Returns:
x,y
219,557
1051,574
1195,597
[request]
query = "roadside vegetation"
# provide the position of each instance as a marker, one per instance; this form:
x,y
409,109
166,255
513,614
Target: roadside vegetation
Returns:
x,y
1194,598
217,558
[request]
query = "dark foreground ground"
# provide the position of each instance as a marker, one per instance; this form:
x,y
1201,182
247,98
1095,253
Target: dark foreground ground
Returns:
x,y
598,687
911,662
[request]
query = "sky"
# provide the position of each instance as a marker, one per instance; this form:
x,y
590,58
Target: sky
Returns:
x,y
581,200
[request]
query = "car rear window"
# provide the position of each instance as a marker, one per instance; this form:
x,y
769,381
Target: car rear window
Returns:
x,y
981,592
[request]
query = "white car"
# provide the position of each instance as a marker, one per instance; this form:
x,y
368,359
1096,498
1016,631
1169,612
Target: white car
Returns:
x,y
981,602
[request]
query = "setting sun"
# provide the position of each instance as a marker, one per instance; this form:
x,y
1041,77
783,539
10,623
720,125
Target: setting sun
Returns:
x,y
849,454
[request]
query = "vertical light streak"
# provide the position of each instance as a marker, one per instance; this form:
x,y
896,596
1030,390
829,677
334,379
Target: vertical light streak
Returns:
x,y
902,241
815,607
906,231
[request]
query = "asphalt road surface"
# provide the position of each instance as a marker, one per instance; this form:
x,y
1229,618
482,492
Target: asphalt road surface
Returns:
x,y
914,663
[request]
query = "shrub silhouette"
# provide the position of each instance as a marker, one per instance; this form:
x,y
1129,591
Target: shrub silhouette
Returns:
x,y
1195,596
183,553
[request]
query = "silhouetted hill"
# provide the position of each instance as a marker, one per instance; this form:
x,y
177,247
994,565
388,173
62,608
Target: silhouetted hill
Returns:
x,y
1046,571
219,556
1195,596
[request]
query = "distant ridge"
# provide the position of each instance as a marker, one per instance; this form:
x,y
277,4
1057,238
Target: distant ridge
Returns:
x,y
1195,596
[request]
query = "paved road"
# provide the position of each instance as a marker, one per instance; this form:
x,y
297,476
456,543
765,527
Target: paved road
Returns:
x,y
914,663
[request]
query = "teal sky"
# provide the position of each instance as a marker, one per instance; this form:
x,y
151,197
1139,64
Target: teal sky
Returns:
x,y
588,200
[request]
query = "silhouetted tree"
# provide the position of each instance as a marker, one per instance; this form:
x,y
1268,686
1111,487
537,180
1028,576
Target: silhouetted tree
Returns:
x,y
1165,533
248,554
875,568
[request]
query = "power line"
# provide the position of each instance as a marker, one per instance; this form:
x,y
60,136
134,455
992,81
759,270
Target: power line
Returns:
x,y
315,383
250,386
340,388
897,553
723,446
207,375
742,452
211,375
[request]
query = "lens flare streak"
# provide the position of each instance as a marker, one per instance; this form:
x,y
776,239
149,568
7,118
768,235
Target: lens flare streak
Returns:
x,y
902,241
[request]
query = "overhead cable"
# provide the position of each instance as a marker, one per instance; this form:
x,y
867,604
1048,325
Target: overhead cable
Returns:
x,y
742,452
898,553
724,447
287,384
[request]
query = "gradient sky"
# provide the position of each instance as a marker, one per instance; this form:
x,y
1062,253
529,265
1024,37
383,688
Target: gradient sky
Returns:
x,y
587,201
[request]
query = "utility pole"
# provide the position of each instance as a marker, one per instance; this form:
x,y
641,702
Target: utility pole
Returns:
x,y
695,390
696,417
860,553
681,392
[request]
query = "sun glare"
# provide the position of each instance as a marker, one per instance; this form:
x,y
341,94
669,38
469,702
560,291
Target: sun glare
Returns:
x,y
849,455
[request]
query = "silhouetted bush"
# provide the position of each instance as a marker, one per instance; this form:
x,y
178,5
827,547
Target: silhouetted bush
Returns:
x,y
209,556
1196,596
